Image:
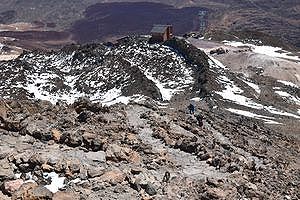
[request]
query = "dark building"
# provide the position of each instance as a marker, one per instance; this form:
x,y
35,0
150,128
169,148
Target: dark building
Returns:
x,y
161,33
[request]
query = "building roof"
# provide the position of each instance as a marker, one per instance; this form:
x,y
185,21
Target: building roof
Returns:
x,y
159,28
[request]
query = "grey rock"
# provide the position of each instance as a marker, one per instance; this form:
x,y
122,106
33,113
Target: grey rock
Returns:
x,y
95,171
97,157
150,189
41,193
6,170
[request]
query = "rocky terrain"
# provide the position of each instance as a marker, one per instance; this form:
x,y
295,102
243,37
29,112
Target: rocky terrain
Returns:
x,y
110,121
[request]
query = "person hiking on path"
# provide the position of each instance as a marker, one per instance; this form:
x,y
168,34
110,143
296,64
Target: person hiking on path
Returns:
x,y
199,119
191,108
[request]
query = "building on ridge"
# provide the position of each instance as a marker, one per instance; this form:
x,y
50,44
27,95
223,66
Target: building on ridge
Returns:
x,y
161,33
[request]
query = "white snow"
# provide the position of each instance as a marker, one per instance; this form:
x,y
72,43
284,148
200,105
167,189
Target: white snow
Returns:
x,y
56,182
175,76
232,93
214,63
254,86
266,50
111,95
266,119
41,94
166,93
196,99
287,83
275,111
77,180
124,100
29,175
18,175
289,97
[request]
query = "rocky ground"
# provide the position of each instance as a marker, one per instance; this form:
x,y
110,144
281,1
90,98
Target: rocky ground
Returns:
x,y
149,146
141,151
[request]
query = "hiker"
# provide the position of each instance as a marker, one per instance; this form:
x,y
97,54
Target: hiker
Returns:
x,y
191,108
199,119
166,177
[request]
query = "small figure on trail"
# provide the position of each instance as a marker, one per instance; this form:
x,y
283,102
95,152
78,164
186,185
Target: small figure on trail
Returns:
x,y
191,108
199,119
166,177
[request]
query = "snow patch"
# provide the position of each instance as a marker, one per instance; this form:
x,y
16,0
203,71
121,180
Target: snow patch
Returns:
x,y
254,86
287,83
124,100
266,50
165,93
288,96
266,119
275,111
196,99
56,182
214,63
232,93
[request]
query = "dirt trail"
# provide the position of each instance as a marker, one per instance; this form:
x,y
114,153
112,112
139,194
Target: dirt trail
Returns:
x,y
189,165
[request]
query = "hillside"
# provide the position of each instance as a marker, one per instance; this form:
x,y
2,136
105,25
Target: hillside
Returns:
x,y
111,122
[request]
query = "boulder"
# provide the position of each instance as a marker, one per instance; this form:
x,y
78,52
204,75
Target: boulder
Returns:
x,y
11,186
74,139
95,171
214,194
113,177
47,168
6,170
96,157
56,134
92,142
65,196
83,116
218,51
116,153
150,189
40,193
4,197
24,191
39,129
83,104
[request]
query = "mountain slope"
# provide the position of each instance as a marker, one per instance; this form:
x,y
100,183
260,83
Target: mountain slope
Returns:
x,y
98,72
150,147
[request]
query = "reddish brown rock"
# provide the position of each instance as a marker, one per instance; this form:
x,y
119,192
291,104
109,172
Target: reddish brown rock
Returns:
x,y
56,134
11,186
113,177
65,196
117,154
23,192
47,168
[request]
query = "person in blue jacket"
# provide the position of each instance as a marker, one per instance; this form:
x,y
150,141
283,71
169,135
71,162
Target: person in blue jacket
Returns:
x,y
191,108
